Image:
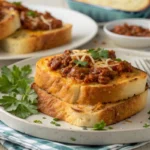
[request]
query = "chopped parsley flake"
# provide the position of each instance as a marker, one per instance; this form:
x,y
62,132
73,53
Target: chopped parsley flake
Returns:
x,y
55,123
100,126
110,128
81,63
99,53
72,139
31,13
17,3
118,59
38,121
146,125
56,119
44,117
84,128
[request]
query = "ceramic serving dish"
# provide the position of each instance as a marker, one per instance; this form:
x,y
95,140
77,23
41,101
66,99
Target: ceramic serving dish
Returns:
x,y
128,41
104,14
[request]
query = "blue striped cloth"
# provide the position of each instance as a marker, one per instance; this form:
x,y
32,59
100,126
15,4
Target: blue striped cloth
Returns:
x,y
13,140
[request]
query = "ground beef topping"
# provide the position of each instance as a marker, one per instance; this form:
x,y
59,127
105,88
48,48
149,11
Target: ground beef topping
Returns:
x,y
131,30
33,20
89,66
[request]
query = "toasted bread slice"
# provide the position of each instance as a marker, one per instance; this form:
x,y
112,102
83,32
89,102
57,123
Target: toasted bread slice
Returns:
x,y
122,87
125,5
9,23
26,41
87,115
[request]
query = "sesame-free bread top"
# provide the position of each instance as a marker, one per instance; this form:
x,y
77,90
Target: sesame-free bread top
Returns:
x,y
27,41
122,85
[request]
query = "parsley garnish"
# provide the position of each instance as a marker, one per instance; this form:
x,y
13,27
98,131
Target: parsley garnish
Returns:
x,y
149,112
100,126
72,139
31,13
10,77
84,128
56,119
81,63
38,121
19,99
118,59
146,125
110,128
44,117
55,123
99,53
17,3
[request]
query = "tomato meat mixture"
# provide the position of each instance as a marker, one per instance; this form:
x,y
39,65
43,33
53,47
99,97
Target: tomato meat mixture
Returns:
x,y
91,66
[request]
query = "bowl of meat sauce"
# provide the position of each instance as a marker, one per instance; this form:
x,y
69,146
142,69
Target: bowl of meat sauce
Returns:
x,y
129,33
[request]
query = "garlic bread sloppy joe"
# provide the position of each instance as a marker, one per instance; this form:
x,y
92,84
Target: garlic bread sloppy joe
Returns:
x,y
88,77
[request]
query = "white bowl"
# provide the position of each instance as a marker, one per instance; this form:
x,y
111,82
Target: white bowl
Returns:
x,y
128,41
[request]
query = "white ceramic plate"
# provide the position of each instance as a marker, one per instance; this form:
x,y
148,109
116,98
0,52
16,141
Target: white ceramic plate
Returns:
x,y
128,131
84,29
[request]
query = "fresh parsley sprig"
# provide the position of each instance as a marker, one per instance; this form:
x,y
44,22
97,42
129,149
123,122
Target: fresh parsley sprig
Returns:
x,y
10,77
99,53
17,3
19,99
32,13
81,63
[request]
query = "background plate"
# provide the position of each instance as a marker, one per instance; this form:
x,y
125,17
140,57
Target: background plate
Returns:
x,y
127,131
84,29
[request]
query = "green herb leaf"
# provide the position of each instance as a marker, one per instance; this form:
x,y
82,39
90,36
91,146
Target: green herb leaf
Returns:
x,y
56,119
99,53
17,3
81,63
38,121
146,125
72,139
19,98
44,117
110,128
31,13
104,53
55,123
10,77
118,59
100,126
16,106
84,128
148,112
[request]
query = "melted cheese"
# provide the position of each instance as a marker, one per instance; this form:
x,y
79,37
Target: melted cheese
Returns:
x,y
104,63
48,22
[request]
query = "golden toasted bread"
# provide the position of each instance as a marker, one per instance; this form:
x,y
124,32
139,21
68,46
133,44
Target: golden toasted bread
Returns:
x,y
9,22
89,115
123,86
27,41
125,5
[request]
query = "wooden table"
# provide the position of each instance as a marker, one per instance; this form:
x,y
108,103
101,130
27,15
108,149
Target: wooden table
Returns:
x,y
97,42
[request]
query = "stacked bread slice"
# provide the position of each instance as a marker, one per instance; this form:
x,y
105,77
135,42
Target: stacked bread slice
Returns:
x,y
85,104
24,30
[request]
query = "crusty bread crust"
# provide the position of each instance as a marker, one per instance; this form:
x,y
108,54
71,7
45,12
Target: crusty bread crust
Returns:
x,y
9,24
25,41
85,115
125,5
123,87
